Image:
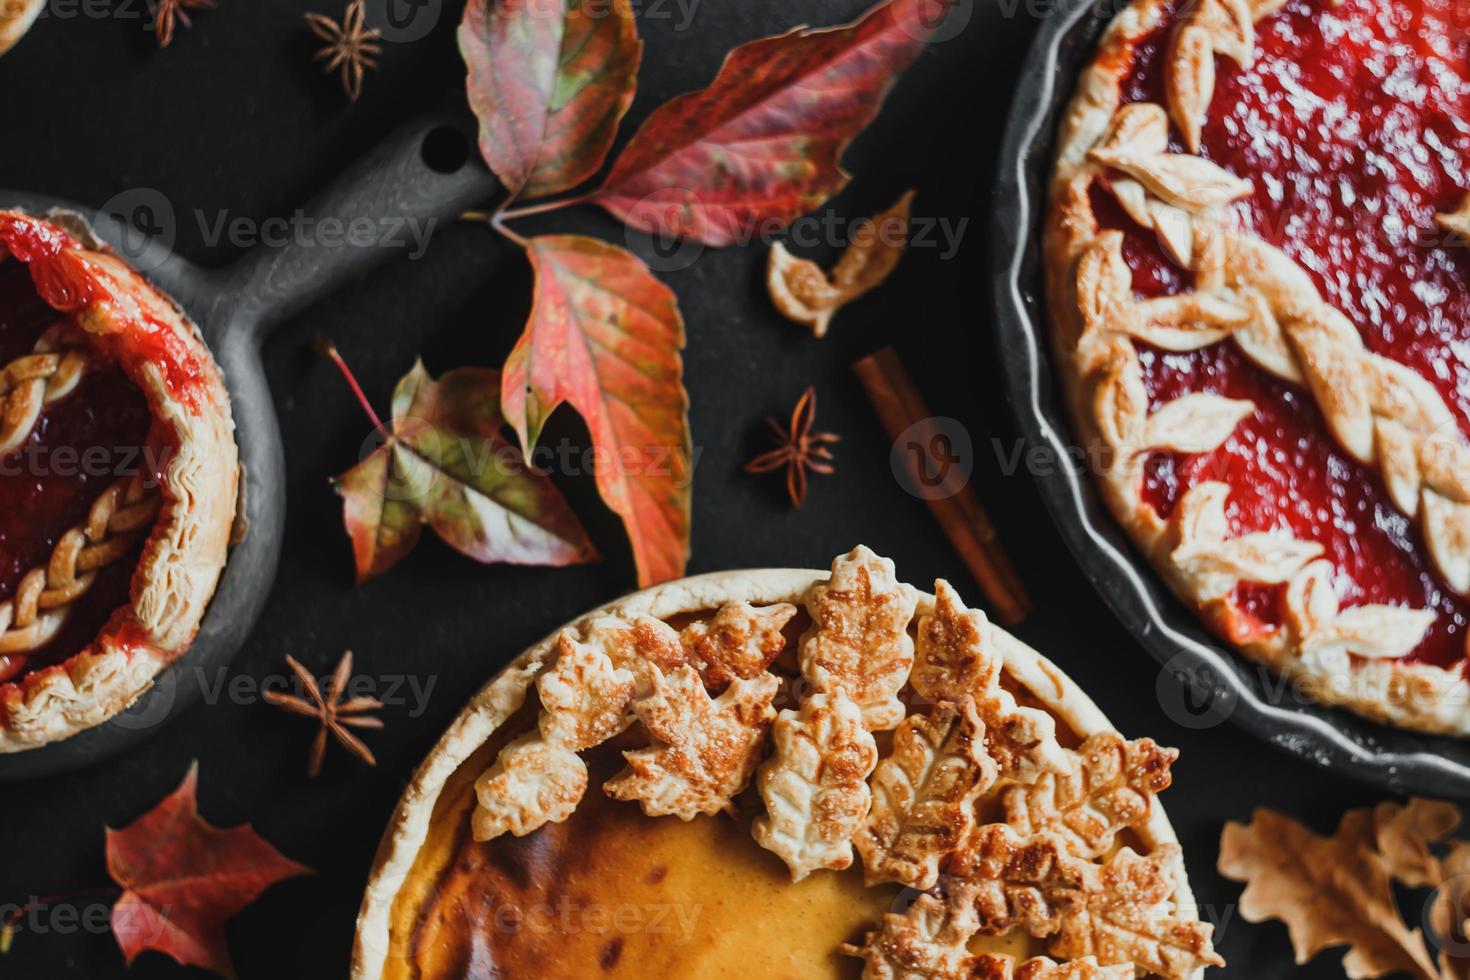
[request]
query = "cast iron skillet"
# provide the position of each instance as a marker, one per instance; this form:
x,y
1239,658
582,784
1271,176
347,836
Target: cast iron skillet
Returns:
x,y
428,171
1202,684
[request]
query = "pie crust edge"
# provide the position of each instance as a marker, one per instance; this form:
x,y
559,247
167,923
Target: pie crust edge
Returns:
x,y
16,17
185,551
1419,697
498,701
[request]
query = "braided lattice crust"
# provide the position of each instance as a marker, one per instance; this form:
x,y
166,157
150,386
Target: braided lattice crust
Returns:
x,y
1249,293
29,383
118,518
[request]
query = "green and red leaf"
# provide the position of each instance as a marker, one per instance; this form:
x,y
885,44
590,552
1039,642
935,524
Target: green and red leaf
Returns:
x,y
445,463
605,336
763,142
549,81
182,878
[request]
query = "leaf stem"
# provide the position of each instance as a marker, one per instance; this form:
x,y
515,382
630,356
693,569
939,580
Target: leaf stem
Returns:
x,y
326,348
543,207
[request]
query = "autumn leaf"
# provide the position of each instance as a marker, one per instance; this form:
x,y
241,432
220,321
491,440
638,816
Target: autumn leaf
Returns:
x,y
445,463
807,295
764,141
1329,891
549,81
605,336
183,878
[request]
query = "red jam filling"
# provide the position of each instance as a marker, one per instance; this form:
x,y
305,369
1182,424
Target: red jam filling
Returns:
x,y
1353,124
80,445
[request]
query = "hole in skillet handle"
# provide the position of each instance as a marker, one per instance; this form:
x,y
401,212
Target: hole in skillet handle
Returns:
x,y
445,150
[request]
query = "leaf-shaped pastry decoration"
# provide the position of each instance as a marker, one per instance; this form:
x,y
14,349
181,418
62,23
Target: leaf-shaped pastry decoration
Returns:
x,y
762,143
1110,786
704,749
1208,28
740,640
549,81
605,336
924,795
532,782
992,967
1447,532
1195,423
924,943
1217,564
1188,182
1449,911
1373,631
859,640
955,660
807,295
1186,322
585,698
445,463
1329,891
1116,912
815,784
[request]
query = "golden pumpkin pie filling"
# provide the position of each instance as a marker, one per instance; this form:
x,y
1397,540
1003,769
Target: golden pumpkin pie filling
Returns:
x,y
783,774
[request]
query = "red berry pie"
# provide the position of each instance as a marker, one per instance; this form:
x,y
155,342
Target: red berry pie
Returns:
x,y
1260,293
118,474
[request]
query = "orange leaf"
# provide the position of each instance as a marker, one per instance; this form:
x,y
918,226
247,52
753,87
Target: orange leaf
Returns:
x,y
605,336
762,143
183,878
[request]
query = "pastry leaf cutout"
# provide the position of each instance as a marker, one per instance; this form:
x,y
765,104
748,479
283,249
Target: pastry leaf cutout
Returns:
x,y
182,878
445,462
815,784
924,795
807,295
705,749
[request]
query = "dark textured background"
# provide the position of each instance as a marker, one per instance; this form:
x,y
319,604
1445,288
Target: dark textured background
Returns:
x,y
234,117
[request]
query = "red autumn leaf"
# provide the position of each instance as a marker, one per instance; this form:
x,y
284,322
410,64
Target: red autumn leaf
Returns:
x,y
445,463
605,336
550,81
763,142
182,878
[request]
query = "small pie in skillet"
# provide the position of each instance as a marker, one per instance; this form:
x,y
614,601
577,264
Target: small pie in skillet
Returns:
x,y
118,475
783,774
1259,290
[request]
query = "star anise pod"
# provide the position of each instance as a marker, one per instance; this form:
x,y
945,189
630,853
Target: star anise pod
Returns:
x,y
350,45
168,13
799,450
334,714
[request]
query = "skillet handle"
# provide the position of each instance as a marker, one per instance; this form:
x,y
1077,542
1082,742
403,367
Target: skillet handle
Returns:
x,y
387,205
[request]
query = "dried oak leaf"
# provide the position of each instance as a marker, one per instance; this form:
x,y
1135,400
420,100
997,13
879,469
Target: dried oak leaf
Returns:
x,y
859,640
763,142
924,795
807,295
182,878
815,784
605,336
955,658
705,749
1329,891
444,463
549,81
1110,784
1404,834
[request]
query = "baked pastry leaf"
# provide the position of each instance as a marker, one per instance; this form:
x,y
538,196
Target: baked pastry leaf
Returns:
x,y
955,658
815,784
705,749
859,640
1110,784
924,795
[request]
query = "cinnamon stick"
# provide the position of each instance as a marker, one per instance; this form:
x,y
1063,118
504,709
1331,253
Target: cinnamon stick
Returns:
x,y
946,489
